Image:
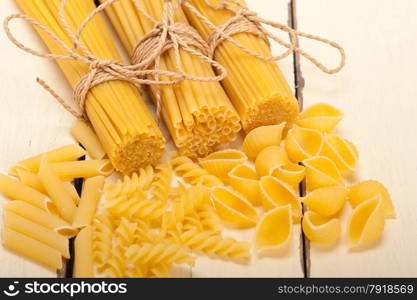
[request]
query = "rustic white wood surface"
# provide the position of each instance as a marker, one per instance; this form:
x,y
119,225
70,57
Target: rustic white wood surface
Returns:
x,y
30,122
377,91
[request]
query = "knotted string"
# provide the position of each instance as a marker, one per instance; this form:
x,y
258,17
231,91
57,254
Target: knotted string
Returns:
x,y
247,21
102,70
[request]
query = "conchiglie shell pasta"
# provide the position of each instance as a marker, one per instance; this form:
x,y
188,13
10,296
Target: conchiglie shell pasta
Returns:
x,y
273,231
275,192
343,154
366,223
262,137
326,201
321,230
302,143
245,180
233,208
321,172
221,162
362,191
321,116
290,173
270,158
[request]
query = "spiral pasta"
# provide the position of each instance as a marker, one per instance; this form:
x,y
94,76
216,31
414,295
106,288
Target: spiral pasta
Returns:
x,y
321,116
212,243
275,192
160,187
321,230
340,151
131,184
125,233
261,137
365,190
102,239
366,223
302,143
221,162
274,230
269,159
193,173
321,172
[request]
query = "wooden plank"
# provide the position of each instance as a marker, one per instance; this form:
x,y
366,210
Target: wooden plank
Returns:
x,y
30,121
377,92
288,265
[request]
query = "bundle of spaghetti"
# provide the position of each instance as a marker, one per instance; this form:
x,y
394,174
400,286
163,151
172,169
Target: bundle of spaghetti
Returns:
x,y
116,109
199,115
257,88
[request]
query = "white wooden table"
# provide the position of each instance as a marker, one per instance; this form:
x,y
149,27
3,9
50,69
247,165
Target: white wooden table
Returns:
x,y
376,90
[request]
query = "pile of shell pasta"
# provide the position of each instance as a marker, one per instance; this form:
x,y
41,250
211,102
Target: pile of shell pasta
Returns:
x,y
173,213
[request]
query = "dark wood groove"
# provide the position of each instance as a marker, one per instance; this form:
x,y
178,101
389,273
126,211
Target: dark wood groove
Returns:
x,y
299,87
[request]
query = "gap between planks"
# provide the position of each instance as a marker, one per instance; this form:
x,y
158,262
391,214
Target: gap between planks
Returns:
x,y
299,86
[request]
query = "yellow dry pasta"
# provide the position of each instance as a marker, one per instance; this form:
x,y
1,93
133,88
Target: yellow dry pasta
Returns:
x,y
82,169
102,240
221,162
321,230
192,173
198,115
40,217
233,208
320,116
37,232
244,180
90,197
56,190
86,136
340,151
326,201
366,223
321,172
257,88
65,153
275,192
83,258
365,190
32,249
261,137
212,243
270,158
16,190
290,173
32,180
116,109
274,230
302,143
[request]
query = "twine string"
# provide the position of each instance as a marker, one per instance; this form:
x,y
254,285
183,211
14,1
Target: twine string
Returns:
x,y
247,21
146,60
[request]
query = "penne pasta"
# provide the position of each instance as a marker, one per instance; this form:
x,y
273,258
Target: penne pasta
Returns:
x,y
37,232
56,190
32,248
15,190
40,217
90,197
65,153
83,248
85,135
32,180
83,169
